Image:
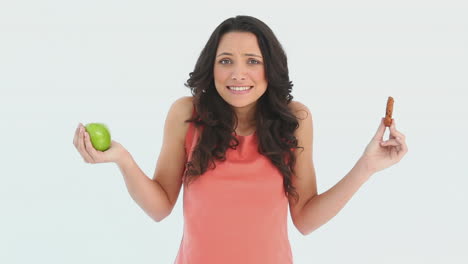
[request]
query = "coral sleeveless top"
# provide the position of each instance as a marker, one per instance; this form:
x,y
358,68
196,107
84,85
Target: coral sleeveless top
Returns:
x,y
236,213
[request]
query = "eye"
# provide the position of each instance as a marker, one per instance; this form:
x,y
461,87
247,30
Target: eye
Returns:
x,y
225,61
253,61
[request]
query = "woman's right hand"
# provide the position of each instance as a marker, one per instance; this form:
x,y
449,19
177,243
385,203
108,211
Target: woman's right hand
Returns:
x,y
89,154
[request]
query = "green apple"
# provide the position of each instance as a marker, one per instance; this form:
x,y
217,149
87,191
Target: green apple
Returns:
x,y
99,135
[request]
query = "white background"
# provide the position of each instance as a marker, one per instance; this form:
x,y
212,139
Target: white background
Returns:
x,y
123,63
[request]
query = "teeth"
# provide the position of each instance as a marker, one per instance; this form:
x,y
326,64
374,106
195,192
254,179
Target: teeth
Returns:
x,y
239,88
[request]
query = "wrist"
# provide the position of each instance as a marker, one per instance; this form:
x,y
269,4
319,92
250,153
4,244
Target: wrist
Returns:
x,y
123,158
365,167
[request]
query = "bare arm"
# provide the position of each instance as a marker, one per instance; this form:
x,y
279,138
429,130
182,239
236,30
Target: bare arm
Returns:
x,y
158,196
379,154
321,208
313,210
148,194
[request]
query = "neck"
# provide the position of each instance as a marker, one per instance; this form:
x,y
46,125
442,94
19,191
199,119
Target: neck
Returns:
x,y
245,119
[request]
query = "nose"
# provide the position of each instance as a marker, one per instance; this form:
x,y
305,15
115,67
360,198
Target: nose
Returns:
x,y
238,73
235,78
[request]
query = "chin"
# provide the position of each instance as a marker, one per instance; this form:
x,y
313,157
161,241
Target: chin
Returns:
x,y
242,104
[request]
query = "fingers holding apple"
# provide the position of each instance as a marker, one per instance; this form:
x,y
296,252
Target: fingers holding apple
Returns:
x,y
91,150
78,141
95,145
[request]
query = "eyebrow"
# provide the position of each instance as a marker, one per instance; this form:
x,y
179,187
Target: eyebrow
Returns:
x,y
245,54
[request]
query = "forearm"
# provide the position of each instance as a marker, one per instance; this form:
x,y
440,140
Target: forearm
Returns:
x,y
321,208
148,194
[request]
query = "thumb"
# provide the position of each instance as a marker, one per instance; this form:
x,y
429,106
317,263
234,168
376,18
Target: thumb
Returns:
x,y
380,131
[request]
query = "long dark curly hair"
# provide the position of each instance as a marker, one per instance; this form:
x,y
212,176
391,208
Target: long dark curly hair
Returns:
x,y
275,123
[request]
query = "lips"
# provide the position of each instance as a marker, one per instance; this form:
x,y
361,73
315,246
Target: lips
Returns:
x,y
239,88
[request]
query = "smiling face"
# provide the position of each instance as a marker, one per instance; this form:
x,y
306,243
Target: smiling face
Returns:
x,y
239,72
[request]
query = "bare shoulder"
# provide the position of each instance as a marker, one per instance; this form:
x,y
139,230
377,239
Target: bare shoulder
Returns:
x,y
183,107
304,133
300,110
180,111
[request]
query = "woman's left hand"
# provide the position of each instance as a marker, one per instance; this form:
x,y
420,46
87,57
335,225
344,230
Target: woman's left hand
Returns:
x,y
380,154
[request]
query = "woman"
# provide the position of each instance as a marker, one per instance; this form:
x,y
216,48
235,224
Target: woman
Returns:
x,y
243,151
